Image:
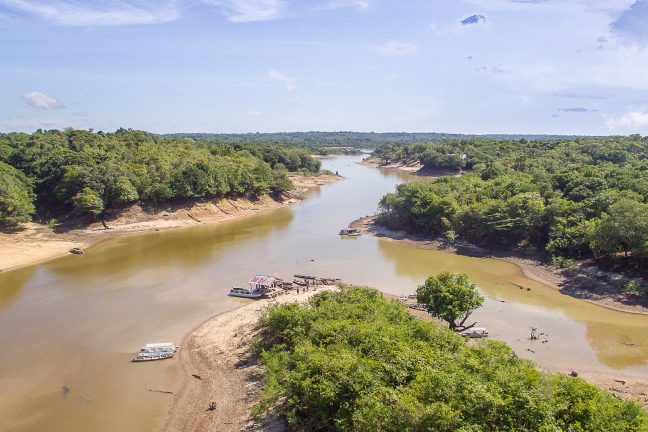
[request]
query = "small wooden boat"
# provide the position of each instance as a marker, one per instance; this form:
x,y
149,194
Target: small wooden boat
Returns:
x,y
156,351
300,282
77,251
350,232
475,332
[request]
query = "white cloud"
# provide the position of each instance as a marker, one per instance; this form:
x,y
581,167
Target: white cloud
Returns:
x,y
41,100
631,121
108,13
250,10
338,4
396,48
605,6
289,83
254,113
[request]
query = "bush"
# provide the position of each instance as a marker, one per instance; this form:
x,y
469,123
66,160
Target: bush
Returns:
x,y
632,286
563,263
353,361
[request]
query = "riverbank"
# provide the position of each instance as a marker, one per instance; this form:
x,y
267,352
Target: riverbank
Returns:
x,y
621,385
218,352
38,243
415,168
583,285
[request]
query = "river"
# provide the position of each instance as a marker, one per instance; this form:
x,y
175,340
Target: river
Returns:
x,y
69,327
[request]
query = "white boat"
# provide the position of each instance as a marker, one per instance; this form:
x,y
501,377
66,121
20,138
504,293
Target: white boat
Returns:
x,y
475,332
350,232
245,292
156,351
258,286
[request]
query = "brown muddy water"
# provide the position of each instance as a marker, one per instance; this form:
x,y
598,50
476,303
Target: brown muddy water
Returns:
x,y
68,328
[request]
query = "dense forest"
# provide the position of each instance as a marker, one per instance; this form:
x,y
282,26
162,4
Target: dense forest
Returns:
x,y
329,142
575,198
353,361
57,173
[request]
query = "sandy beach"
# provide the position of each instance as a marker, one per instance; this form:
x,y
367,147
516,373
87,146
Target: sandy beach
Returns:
x,y
218,351
38,243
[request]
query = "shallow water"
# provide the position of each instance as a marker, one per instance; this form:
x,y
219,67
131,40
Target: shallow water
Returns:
x,y
69,327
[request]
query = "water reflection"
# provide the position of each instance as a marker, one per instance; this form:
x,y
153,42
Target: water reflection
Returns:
x,y
618,340
187,248
11,283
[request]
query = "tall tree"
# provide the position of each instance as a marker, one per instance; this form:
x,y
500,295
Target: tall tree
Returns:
x,y
451,297
623,228
88,201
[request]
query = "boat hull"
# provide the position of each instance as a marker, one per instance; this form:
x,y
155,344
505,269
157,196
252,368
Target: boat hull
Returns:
x,y
245,295
146,359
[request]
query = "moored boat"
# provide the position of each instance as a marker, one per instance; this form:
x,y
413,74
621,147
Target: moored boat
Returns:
x,y
245,292
350,232
300,282
156,351
258,286
475,332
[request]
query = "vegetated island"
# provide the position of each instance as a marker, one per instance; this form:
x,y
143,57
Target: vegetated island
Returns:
x,y
353,360
65,189
573,210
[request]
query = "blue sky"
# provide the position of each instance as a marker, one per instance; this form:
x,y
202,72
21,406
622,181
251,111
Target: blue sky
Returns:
x,y
462,66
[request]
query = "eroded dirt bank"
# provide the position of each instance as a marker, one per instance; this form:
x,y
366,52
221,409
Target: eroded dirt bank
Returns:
x,y
38,243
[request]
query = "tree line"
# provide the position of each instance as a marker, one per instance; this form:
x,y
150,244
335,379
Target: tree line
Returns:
x,y
354,361
330,142
575,198
53,173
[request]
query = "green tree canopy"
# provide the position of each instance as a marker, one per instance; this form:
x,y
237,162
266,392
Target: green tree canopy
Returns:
x,y
16,197
623,228
354,361
451,297
126,166
88,201
581,198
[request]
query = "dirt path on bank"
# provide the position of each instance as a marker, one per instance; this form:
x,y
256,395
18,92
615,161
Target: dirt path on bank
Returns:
x,y
38,243
218,351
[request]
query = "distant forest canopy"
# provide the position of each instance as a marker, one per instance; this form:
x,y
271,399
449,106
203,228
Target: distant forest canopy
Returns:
x,y
56,173
576,198
321,142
